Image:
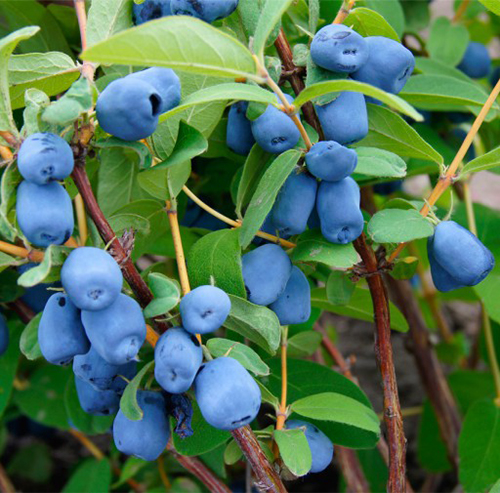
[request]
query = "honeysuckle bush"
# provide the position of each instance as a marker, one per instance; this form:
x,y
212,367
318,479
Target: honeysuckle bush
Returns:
x,y
54,66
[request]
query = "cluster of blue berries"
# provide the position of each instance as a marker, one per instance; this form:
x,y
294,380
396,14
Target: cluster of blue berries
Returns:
x,y
44,209
206,10
129,107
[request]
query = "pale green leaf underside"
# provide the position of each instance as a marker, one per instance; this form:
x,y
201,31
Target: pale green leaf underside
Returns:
x,y
486,161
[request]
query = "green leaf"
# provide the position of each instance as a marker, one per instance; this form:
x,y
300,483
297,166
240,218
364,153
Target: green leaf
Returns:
x,y
315,90
405,268
255,164
447,42
189,144
142,151
265,194
398,226
486,161
91,476
313,247
35,102
7,46
166,292
391,11
51,73
304,343
216,259
269,16
131,467
430,66
82,421
491,5
338,408
390,132
187,44
339,288
442,93
378,162
257,323
244,354
232,453
32,462
128,402
29,339
479,447
43,399
48,270
222,92
496,486
107,17
8,366
67,109
314,9
8,186
370,23
294,450
359,307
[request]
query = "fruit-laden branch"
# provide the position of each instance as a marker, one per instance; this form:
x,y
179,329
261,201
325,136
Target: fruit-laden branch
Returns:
x,y
383,353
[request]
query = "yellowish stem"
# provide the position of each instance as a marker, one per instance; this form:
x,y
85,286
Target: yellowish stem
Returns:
x,y
33,255
82,219
347,6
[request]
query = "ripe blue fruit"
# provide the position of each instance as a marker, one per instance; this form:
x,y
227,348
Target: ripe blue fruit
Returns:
x,y
150,10
320,445
476,62
178,356
61,334
129,108
344,120
95,370
265,272
146,438
118,331
204,309
44,213
239,137
338,48
330,161
389,65
96,402
206,10
294,305
45,157
275,131
166,83
207,221
4,335
37,296
294,203
227,395
339,210
92,278
457,257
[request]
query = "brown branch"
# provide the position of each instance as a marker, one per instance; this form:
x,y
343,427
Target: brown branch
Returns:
x,y
383,353
267,479
199,470
286,56
6,485
351,469
23,311
430,370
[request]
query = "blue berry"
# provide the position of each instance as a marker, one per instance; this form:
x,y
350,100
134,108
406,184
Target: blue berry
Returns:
x,y
150,10
206,10
330,161
476,62
239,137
4,335
96,402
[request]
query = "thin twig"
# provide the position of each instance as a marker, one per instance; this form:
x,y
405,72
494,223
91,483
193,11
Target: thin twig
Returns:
x,y
281,418
6,154
6,485
344,11
461,10
88,68
32,255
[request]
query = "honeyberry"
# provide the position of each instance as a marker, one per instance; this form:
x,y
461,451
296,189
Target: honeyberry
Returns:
x,y
96,402
320,445
338,48
239,137
389,65
4,335
44,213
294,305
94,369
265,272
118,331
92,278
330,161
148,437
476,62
275,131
204,309
206,10
339,210
294,203
178,356
457,257
150,10
60,333
45,157
227,395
